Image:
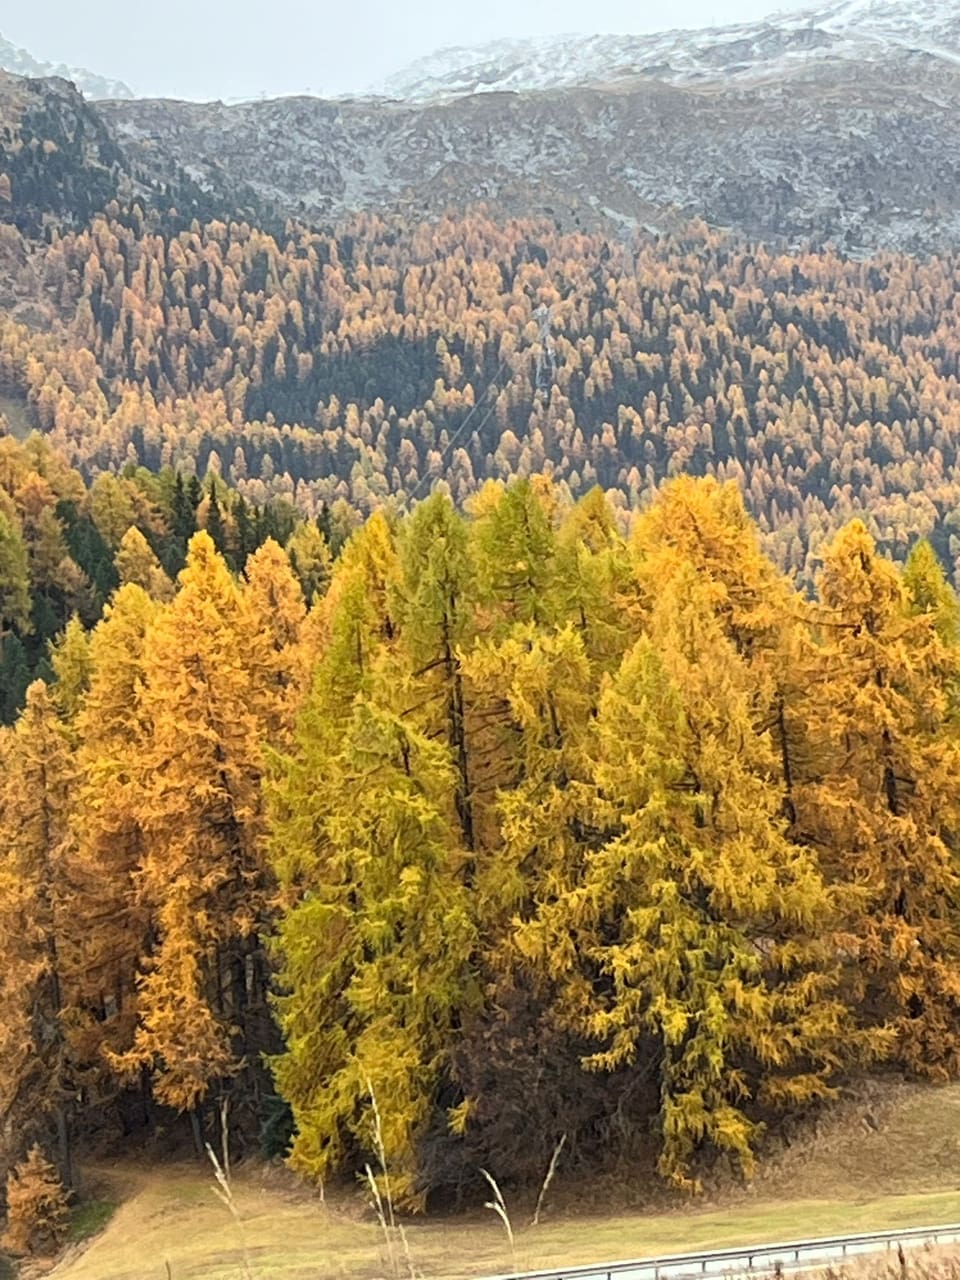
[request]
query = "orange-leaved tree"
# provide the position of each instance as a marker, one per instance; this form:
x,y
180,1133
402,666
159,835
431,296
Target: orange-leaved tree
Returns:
x,y
883,805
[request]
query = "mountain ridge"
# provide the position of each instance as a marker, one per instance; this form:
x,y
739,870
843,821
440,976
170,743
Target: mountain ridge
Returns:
x,y
868,164
848,31
791,134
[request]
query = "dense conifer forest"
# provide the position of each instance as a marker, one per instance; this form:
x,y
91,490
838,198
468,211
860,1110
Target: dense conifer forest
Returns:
x,y
465,686
515,825
371,363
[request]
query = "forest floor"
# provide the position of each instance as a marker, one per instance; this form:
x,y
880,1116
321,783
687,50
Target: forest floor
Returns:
x,y
890,1157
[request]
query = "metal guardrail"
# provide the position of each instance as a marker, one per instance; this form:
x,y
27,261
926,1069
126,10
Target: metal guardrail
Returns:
x,y
758,1259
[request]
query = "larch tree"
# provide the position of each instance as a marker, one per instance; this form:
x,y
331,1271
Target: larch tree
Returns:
x,y
701,524
36,1084
14,577
515,554
929,593
883,807
593,579
273,615
72,665
376,933
112,933
38,1216
202,1012
434,605
136,563
692,946
310,559
515,1059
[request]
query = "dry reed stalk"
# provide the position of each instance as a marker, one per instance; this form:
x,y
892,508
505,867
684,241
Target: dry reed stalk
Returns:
x,y
224,1193
545,1187
382,1219
225,1136
499,1207
395,1226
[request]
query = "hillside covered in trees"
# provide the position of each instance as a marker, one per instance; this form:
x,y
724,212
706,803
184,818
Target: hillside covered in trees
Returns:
x,y
64,547
372,364
506,673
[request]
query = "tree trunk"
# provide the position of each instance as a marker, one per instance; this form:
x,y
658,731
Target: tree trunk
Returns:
x,y
196,1129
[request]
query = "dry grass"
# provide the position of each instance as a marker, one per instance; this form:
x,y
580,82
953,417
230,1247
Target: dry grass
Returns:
x,y
938,1263
850,1177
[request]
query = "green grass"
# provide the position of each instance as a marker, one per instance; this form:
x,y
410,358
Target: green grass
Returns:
x,y
887,1160
298,1241
88,1219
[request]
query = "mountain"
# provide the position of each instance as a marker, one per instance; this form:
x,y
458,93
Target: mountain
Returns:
x,y
857,32
64,163
835,125
826,128
57,152
21,63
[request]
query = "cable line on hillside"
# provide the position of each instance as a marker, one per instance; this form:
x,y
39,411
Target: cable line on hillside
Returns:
x,y
546,369
463,425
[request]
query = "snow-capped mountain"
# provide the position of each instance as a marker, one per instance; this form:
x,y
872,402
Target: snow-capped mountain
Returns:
x,y
21,63
851,31
839,123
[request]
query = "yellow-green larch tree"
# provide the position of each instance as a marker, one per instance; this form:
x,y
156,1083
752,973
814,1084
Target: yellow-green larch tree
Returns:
x,y
434,602
136,562
592,583
72,664
376,932
695,943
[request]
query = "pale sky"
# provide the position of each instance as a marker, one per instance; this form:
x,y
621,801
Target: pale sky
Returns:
x,y
202,49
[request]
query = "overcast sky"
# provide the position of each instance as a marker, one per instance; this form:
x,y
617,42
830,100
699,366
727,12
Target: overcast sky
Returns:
x,y
203,50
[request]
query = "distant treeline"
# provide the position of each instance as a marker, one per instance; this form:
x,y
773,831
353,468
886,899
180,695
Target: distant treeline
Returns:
x,y
369,363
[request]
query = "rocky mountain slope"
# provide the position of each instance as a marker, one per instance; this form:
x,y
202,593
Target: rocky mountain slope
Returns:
x,y
21,63
835,125
866,161
61,161
57,153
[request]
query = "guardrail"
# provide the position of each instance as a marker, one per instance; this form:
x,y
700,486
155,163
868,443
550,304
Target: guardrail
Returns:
x,y
758,1259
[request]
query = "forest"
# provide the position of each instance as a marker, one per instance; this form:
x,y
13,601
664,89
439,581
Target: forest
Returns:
x,y
372,362
464,687
64,547
495,826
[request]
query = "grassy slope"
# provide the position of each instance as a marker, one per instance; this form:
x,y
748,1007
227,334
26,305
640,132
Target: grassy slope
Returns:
x,y
852,1177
